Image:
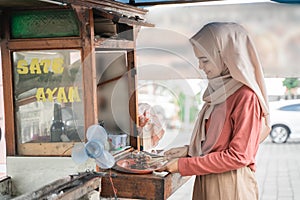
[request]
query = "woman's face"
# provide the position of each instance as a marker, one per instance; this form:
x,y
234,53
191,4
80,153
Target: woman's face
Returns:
x,y
210,69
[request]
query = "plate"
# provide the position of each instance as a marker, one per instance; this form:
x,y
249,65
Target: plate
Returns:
x,y
130,166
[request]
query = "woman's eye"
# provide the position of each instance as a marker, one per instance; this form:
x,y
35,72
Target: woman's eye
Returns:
x,y
204,61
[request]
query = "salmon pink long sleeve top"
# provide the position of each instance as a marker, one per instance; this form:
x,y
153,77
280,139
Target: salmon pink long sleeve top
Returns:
x,y
238,142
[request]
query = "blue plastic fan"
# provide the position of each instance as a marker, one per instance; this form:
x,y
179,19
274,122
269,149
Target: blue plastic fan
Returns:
x,y
96,148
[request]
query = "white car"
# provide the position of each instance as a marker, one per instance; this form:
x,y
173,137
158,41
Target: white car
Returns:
x,y
285,120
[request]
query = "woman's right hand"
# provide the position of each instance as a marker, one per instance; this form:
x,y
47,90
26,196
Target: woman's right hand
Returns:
x,y
143,119
177,152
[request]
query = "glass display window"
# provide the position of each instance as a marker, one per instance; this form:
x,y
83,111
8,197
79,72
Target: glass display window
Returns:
x,y
48,96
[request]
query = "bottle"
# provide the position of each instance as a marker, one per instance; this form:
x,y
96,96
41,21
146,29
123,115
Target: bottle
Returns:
x,y
101,123
57,128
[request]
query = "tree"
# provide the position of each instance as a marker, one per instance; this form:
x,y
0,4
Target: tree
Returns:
x,y
291,85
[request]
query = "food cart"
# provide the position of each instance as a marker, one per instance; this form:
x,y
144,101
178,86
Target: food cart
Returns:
x,y
68,65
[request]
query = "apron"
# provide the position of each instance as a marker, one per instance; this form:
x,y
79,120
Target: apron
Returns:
x,y
237,184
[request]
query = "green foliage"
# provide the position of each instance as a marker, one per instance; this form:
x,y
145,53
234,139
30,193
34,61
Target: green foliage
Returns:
x,y
181,100
194,110
290,83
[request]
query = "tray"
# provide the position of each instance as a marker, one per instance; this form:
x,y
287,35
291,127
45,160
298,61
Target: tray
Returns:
x,y
139,166
127,166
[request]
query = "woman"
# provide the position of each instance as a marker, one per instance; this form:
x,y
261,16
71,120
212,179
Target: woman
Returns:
x,y
233,120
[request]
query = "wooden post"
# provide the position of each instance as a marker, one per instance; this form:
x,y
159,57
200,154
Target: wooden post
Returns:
x,y
85,16
8,89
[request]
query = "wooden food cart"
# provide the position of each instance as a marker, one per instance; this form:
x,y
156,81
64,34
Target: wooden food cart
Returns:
x,y
77,58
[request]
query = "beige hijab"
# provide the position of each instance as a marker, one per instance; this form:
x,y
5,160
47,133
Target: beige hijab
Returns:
x,y
229,46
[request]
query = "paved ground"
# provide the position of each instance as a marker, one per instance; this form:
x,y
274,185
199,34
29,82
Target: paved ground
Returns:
x,y
278,173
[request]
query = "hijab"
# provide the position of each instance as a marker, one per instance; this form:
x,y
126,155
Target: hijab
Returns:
x,y
228,46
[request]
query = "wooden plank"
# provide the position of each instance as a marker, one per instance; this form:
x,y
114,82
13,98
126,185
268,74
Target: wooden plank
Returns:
x,y
45,189
46,149
110,80
173,182
85,16
81,190
165,2
5,185
26,100
133,101
8,91
143,186
119,18
131,22
71,187
36,44
113,44
110,5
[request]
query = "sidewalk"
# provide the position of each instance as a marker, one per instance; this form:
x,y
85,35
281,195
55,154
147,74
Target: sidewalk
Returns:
x,y
278,173
278,170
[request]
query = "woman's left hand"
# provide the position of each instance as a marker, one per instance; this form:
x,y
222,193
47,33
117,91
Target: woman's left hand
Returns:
x,y
171,166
